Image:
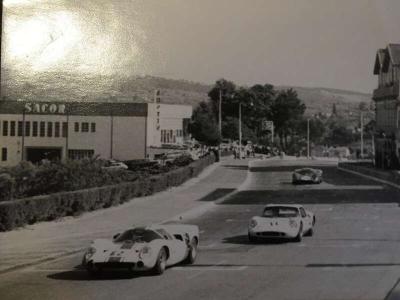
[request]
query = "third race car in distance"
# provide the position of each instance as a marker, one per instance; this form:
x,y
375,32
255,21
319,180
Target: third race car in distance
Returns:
x,y
307,175
283,222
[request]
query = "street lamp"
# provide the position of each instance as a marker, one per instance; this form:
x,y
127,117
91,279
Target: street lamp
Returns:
x,y
240,128
308,138
220,122
362,134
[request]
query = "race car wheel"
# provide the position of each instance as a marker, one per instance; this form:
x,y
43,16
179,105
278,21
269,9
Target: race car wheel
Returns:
x,y
299,236
310,232
192,252
161,262
93,270
252,239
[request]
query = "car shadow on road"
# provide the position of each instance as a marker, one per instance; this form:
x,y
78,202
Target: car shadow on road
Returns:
x,y
80,274
216,194
236,167
244,240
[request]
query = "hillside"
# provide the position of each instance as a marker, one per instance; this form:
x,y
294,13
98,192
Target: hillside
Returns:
x,y
322,100
67,87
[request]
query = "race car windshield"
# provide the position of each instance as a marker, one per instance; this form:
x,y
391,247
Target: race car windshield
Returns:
x,y
136,235
280,212
305,172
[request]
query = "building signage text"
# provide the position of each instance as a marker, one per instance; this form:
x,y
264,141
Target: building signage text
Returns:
x,y
44,108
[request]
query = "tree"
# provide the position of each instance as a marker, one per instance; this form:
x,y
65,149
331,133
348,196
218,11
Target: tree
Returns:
x,y
339,135
334,109
286,110
317,129
203,126
227,90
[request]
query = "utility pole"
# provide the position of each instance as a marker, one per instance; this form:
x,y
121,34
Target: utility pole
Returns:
x,y
362,134
220,122
1,39
308,138
240,130
220,113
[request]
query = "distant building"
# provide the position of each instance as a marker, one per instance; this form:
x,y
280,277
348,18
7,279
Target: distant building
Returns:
x,y
34,131
386,97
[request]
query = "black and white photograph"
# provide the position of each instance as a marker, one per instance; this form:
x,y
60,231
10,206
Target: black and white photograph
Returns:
x,y
200,149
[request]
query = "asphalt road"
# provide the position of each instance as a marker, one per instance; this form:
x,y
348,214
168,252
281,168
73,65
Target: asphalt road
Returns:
x,y
354,253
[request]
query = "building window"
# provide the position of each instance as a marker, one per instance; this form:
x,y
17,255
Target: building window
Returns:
x,y
49,129
57,129
64,129
76,127
12,128
27,128
85,127
20,128
5,128
34,128
93,127
80,154
3,154
42,129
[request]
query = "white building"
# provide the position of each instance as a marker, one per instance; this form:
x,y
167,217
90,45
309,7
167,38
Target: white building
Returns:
x,y
123,131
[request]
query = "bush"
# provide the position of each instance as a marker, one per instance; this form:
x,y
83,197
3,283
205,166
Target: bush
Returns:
x,y
17,213
7,184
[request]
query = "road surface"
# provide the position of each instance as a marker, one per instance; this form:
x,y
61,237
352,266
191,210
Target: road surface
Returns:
x,y
354,253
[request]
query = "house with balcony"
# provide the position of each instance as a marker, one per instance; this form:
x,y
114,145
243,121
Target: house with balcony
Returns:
x,y
387,107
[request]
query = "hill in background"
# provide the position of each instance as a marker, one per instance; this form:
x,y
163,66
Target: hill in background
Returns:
x,y
67,87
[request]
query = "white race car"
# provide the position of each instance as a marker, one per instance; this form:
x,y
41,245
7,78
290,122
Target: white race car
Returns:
x,y
144,248
281,221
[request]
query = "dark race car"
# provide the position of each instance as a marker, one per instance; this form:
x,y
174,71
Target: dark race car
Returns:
x,y
307,175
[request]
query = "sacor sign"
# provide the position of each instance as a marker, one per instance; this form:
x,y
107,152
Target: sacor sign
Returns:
x,y
44,108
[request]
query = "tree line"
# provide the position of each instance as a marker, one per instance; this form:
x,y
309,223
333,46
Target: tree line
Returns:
x,y
265,102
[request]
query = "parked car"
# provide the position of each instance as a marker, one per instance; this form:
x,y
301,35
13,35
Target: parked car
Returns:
x,y
307,175
167,157
144,248
283,222
115,165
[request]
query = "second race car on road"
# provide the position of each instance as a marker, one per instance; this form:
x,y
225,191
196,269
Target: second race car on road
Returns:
x,y
283,222
144,248
307,175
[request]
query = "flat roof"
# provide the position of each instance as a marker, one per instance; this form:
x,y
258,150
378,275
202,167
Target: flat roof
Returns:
x,y
74,108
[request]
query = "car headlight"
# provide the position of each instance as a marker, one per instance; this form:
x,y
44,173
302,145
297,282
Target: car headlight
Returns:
x,y
90,252
145,252
253,223
292,223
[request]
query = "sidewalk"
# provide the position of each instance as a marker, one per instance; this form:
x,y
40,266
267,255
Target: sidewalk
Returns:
x,y
48,240
389,177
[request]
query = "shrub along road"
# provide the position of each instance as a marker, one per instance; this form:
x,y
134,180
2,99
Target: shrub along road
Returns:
x,y
354,253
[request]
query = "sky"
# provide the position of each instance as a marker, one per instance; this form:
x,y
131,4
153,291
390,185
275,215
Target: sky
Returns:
x,y
312,43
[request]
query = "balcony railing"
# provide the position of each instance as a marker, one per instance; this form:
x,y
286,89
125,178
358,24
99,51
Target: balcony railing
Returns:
x,y
386,92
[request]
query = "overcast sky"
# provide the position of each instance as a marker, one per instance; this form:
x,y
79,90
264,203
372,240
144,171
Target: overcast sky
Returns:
x,y
316,43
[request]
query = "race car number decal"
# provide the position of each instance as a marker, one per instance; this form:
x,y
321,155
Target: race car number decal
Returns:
x,y
114,259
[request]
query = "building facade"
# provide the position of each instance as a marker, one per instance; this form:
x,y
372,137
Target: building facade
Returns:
x,y
387,107
123,131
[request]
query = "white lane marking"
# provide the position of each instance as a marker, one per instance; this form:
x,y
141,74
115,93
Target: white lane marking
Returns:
x,y
36,270
370,177
206,269
207,246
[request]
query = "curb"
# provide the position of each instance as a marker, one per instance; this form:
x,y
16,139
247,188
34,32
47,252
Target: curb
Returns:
x,y
370,177
40,261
